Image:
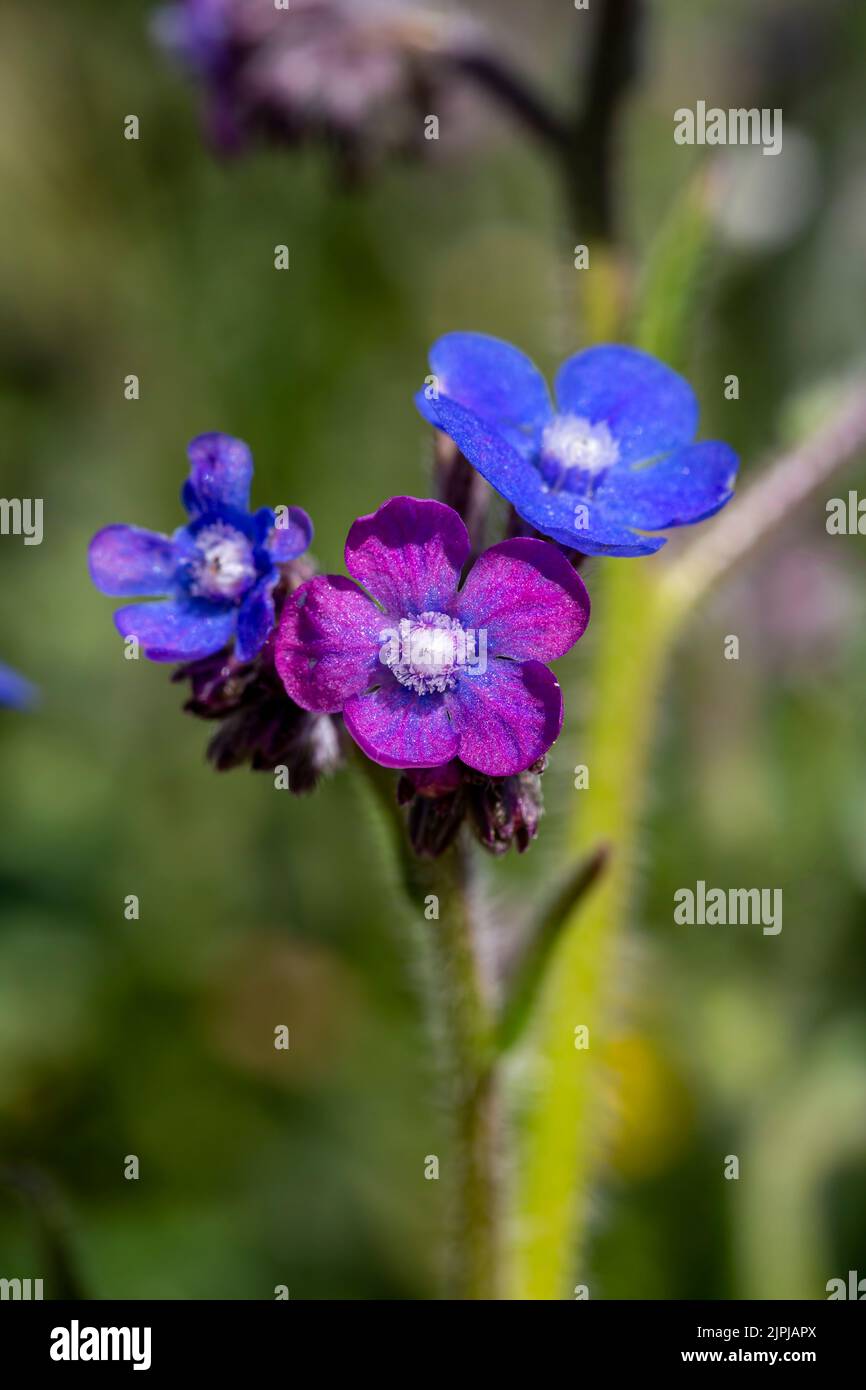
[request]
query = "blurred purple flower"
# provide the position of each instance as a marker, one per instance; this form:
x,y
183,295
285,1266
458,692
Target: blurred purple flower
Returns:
x,y
15,691
218,573
349,70
429,671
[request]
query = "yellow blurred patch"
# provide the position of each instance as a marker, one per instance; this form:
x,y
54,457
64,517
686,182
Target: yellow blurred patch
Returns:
x,y
652,1113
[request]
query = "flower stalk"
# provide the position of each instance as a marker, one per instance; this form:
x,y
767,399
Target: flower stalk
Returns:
x,y
642,610
462,1019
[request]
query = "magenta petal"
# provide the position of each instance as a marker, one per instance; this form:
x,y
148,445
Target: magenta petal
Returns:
x,y
507,717
409,554
399,728
129,562
328,643
527,598
177,630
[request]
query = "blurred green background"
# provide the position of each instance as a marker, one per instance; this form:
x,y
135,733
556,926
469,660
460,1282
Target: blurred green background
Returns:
x,y
155,1037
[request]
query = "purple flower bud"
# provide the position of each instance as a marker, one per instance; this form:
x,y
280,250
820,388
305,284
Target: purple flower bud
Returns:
x,y
500,811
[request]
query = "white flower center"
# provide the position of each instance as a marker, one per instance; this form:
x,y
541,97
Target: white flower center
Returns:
x,y
573,442
424,653
225,567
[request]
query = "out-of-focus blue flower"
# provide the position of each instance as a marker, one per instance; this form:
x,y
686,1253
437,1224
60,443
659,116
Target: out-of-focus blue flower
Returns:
x,y
15,691
614,458
218,572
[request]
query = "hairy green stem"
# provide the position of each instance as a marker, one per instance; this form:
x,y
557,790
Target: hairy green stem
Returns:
x,y
563,1140
441,893
642,607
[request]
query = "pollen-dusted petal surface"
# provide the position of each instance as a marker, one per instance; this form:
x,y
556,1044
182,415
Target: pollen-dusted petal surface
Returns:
x,y
408,554
648,408
177,629
399,728
687,486
494,380
527,598
128,561
328,643
221,471
507,717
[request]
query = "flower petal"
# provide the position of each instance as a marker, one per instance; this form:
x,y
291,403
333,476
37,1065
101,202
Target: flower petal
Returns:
x,y
527,598
126,561
581,524
649,408
291,535
327,647
177,629
221,471
564,516
255,619
399,728
409,554
492,379
486,449
687,486
507,717
15,691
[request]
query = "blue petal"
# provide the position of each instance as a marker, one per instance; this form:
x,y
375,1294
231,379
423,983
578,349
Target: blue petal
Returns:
x,y
486,449
221,471
177,629
555,514
255,619
126,561
15,691
291,536
687,486
494,380
648,408
580,524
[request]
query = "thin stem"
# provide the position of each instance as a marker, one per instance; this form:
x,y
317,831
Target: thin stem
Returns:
x,y
467,1037
563,1138
513,91
768,502
589,170
643,607
440,891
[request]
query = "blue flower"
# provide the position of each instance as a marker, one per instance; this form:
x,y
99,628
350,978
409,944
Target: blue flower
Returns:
x,y
218,572
15,691
615,458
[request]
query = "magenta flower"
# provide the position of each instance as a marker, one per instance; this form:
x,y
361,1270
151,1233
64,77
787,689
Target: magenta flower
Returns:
x,y
425,671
